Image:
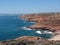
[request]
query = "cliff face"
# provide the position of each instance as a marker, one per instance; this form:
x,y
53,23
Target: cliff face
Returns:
x,y
48,20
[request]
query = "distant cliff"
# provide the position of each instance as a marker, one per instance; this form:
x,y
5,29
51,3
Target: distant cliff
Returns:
x,y
48,20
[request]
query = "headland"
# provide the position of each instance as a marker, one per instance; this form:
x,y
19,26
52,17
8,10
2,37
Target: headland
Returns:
x,y
45,21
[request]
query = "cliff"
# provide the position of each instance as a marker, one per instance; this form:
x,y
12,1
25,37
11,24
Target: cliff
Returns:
x,y
48,20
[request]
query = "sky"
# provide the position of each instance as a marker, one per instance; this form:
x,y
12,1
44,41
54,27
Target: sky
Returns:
x,y
28,6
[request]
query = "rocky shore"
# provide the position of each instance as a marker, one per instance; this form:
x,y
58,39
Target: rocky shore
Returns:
x,y
44,21
48,20
30,40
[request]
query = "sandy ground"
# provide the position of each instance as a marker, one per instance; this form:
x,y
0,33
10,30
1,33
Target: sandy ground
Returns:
x,y
56,37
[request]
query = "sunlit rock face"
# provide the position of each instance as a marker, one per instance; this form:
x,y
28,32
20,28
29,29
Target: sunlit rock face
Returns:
x,y
48,20
29,40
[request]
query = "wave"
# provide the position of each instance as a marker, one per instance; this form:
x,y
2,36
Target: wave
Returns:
x,y
25,28
32,22
47,32
39,32
44,32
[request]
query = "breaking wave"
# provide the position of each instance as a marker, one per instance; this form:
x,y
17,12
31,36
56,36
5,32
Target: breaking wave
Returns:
x,y
39,32
44,32
25,28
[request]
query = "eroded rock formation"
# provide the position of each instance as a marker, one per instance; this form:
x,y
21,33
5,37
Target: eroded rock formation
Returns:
x,y
48,20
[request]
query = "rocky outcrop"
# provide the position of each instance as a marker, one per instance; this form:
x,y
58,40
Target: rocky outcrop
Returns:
x,y
30,40
25,40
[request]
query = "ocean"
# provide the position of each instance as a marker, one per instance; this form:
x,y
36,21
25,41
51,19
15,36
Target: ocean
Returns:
x,y
11,28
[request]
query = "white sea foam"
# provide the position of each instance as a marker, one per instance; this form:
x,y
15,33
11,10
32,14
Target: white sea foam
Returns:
x,y
47,32
44,32
50,32
25,28
32,22
39,32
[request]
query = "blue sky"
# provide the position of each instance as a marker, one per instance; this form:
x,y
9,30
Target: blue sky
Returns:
x,y
28,6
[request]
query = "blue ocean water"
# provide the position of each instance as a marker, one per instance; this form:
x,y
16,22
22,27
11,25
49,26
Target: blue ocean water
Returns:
x,y
10,28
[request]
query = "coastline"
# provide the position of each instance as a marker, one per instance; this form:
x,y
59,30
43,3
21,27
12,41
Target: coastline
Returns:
x,y
43,22
46,22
